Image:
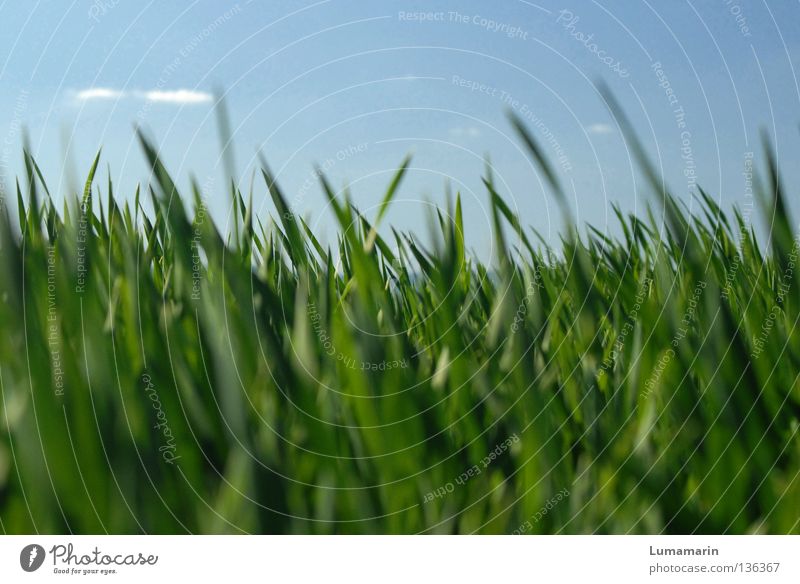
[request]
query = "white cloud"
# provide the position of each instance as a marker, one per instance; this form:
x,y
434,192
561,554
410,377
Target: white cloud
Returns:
x,y
179,96
175,96
98,93
599,129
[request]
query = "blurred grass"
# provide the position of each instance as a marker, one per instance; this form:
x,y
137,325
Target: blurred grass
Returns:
x,y
158,376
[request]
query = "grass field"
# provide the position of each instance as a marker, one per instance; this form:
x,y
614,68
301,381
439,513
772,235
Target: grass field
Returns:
x,y
160,376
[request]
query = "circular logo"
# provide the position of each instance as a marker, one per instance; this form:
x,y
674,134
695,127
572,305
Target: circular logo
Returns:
x,y
31,557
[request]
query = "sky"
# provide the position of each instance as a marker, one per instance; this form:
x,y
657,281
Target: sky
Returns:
x,y
354,86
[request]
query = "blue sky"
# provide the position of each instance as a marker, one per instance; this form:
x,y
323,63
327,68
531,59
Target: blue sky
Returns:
x,y
354,86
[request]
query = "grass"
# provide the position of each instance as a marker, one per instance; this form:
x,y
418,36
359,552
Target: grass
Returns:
x,y
158,376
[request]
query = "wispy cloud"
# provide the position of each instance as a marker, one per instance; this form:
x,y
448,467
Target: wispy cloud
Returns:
x,y
471,132
175,96
179,96
98,93
599,129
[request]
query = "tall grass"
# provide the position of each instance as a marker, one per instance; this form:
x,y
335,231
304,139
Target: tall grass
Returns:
x,y
159,376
